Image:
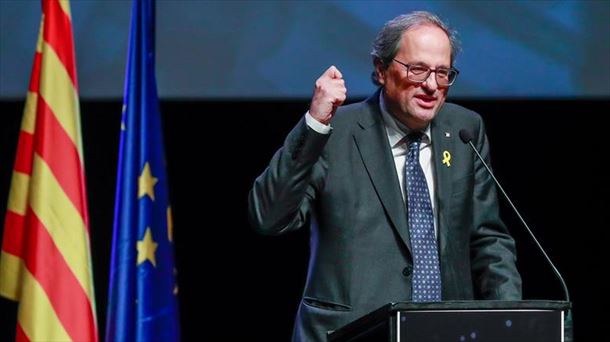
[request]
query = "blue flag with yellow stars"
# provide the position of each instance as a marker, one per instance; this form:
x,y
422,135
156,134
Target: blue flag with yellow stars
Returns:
x,y
143,295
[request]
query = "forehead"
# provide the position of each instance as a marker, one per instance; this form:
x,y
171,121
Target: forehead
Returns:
x,y
427,44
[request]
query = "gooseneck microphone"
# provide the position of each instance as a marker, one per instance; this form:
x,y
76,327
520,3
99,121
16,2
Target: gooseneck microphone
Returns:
x,y
466,137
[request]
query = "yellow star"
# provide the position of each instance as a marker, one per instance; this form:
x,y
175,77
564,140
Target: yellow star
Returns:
x,y
146,183
146,248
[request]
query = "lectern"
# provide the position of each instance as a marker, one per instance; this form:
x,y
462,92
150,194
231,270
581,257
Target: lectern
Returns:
x,y
461,321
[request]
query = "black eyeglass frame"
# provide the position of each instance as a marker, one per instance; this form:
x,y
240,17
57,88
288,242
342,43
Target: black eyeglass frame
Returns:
x,y
430,70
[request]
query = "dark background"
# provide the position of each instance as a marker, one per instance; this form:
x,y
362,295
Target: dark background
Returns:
x,y
550,155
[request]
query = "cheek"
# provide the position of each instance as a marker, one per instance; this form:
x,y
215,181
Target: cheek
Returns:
x,y
442,96
408,93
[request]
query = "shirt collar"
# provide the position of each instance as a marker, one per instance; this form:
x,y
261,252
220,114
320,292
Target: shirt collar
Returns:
x,y
395,129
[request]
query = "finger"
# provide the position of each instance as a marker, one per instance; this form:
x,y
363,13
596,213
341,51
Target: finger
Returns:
x,y
333,72
338,91
338,96
339,99
339,83
337,87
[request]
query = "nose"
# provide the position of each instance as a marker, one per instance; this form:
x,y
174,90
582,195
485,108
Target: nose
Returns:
x,y
430,82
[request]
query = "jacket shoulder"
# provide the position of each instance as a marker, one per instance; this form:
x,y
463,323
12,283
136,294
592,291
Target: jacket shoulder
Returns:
x,y
349,114
455,115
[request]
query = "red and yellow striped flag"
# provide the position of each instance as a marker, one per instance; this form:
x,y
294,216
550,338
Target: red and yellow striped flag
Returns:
x,y
46,260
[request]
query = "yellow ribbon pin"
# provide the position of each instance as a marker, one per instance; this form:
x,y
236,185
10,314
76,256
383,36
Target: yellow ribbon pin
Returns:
x,y
447,158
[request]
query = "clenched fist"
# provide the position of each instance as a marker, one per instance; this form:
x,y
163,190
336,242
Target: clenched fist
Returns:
x,y
328,94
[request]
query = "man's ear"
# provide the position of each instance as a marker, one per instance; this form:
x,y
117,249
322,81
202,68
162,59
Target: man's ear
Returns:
x,y
380,71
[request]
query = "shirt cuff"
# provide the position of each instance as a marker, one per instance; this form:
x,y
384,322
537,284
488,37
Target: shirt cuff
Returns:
x,y
317,125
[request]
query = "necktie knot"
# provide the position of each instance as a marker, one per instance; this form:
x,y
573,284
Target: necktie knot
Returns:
x,y
415,136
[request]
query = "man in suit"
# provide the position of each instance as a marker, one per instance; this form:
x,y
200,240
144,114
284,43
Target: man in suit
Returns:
x,y
399,208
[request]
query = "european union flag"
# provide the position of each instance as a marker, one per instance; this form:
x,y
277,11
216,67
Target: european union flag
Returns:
x,y
143,302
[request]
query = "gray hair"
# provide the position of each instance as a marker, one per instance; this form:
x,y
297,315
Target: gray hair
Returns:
x,y
387,43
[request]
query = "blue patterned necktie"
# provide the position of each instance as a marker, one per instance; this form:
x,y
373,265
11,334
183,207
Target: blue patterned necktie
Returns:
x,y
426,283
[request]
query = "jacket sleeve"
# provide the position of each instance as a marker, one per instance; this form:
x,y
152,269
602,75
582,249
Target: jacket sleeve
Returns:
x,y
281,198
493,254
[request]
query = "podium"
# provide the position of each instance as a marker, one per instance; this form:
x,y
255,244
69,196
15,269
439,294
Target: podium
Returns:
x,y
461,321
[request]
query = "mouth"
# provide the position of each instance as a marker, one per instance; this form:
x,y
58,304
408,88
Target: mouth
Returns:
x,y
426,101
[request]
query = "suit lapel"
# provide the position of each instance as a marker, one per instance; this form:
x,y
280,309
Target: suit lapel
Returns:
x,y
443,138
372,143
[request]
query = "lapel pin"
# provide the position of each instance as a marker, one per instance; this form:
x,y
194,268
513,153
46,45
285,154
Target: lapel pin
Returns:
x,y
447,135
447,158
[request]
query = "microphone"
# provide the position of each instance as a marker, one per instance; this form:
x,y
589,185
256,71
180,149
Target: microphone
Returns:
x,y
466,137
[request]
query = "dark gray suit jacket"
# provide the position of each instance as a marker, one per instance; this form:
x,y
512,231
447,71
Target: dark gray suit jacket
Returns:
x,y
346,184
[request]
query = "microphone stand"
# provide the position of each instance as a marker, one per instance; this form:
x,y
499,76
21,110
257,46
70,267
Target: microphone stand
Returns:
x,y
466,137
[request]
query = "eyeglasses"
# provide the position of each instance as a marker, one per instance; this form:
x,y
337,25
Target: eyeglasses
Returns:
x,y
419,74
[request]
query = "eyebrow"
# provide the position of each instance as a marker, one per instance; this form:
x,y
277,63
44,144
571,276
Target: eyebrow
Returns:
x,y
428,66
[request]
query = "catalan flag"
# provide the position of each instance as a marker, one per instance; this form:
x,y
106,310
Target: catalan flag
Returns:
x,y
142,301
45,263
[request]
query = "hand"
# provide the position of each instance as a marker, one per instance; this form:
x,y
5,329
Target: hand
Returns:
x,y
328,94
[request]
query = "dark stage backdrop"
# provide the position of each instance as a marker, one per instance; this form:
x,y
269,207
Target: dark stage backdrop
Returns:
x,y
550,155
